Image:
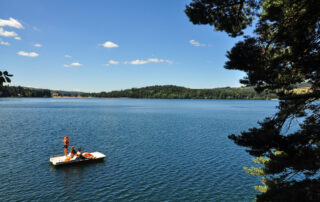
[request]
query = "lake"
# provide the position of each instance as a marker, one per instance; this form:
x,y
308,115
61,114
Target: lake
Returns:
x,y
157,150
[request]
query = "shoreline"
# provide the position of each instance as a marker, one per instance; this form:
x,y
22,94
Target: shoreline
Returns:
x,y
79,97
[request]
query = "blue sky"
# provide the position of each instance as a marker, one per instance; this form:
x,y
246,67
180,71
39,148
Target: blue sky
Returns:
x,y
104,45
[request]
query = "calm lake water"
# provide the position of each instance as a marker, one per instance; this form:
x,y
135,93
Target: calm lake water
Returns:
x,y
157,150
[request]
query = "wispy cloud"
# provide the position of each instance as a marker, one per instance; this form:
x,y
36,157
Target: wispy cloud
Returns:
x,y
109,44
17,38
113,62
156,60
11,23
74,64
150,60
37,45
196,43
4,43
26,54
7,33
137,62
67,56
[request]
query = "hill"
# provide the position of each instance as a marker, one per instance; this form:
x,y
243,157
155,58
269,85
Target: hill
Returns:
x,y
165,92
20,91
177,92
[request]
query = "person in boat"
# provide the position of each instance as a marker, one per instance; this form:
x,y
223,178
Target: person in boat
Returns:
x,y
66,145
72,152
79,154
85,155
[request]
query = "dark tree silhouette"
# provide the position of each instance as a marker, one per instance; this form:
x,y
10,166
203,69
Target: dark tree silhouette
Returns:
x,y
4,77
282,52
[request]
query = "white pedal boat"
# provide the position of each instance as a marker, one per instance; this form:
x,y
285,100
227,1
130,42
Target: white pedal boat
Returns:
x,y
60,160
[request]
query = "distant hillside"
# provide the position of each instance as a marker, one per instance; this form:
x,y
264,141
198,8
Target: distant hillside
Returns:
x,y
20,91
166,92
177,92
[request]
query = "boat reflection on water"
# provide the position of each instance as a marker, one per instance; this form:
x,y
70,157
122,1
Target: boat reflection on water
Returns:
x,y
74,177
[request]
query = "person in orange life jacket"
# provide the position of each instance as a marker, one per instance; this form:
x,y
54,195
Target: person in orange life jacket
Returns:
x,y
66,144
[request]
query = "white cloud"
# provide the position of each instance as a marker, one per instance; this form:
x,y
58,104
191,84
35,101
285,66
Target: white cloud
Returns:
x,y
156,60
11,23
109,44
74,64
113,62
150,60
137,62
196,43
37,45
7,33
4,43
26,54
67,56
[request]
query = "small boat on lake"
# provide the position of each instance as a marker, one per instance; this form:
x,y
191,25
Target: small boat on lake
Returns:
x,y
61,160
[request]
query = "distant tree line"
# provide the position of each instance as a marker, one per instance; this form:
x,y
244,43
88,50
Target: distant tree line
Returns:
x,y
13,91
163,92
176,92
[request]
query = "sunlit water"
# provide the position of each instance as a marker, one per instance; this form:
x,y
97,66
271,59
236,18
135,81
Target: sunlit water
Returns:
x,y
157,150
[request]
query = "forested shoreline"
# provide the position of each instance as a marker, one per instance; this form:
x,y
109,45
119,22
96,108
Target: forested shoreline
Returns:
x,y
160,92
19,91
176,92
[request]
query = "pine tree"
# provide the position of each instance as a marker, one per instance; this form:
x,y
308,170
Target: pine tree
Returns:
x,y
282,52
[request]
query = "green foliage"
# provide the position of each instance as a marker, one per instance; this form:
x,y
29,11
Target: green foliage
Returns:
x,y
12,91
283,51
176,92
5,77
228,15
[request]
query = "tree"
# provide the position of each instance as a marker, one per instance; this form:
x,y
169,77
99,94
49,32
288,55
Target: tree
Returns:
x,y
282,52
4,77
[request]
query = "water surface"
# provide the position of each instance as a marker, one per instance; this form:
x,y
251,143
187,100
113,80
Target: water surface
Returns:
x,y
157,150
